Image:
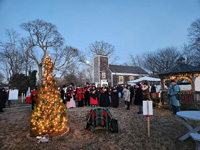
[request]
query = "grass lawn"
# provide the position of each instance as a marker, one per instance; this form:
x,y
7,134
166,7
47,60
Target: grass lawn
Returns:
x,y
166,129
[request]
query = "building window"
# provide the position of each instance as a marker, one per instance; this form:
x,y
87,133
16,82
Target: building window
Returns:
x,y
121,79
103,75
131,78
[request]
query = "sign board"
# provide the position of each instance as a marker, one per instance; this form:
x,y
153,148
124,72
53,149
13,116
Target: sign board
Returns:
x,y
104,82
147,108
13,94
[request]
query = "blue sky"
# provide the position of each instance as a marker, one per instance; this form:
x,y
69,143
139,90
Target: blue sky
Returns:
x,y
132,26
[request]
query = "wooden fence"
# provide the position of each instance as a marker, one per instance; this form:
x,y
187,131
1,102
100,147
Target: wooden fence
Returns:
x,y
189,99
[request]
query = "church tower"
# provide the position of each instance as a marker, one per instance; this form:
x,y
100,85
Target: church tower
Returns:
x,y
101,70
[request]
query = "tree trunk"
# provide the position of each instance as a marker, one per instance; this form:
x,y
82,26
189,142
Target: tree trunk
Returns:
x,y
40,73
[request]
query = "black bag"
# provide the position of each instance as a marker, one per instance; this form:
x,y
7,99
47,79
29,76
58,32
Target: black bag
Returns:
x,y
178,96
114,126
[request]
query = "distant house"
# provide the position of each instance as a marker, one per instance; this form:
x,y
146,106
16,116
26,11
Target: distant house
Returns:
x,y
114,74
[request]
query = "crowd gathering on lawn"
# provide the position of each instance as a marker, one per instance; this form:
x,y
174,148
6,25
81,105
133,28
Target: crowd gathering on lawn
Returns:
x,y
90,95
105,96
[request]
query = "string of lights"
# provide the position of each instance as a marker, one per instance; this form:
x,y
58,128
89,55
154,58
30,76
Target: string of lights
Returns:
x,y
49,114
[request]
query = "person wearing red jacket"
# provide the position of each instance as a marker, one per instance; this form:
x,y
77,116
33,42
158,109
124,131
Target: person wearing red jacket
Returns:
x,y
80,96
93,96
33,97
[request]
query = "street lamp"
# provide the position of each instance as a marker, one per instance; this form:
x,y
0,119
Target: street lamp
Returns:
x,y
87,62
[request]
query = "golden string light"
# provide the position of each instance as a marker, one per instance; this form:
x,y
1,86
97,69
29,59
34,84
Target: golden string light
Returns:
x,y
49,115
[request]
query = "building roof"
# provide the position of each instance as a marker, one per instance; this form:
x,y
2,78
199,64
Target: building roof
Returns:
x,y
127,69
181,68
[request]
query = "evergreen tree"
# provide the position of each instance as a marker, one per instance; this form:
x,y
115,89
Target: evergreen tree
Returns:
x,y
19,81
49,114
32,78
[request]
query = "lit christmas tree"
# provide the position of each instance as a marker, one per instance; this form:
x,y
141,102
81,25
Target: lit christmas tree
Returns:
x,y
49,114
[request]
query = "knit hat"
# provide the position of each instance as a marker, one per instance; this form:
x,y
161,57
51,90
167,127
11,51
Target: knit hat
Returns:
x,y
172,80
138,84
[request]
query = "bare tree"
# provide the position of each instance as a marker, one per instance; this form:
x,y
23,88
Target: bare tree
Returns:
x,y
71,78
65,59
89,74
101,48
194,34
161,60
82,77
191,56
1,77
135,60
10,54
42,37
28,63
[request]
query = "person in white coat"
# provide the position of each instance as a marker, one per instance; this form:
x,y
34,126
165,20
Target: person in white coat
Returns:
x,y
127,98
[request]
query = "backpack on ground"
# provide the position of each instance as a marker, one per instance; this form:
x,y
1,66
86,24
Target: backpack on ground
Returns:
x,y
114,126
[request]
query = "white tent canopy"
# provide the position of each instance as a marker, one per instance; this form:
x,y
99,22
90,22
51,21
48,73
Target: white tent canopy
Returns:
x,y
144,79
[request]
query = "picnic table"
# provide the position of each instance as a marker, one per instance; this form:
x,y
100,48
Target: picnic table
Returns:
x,y
190,115
196,137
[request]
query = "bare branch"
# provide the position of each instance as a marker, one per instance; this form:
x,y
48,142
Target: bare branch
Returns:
x,y
101,48
161,60
194,35
43,35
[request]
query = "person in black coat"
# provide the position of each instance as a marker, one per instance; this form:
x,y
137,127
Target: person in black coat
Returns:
x,y
119,90
68,94
138,98
2,99
132,94
153,91
104,97
87,94
62,94
114,97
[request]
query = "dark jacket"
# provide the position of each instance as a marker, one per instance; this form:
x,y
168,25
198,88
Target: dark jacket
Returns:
x,y
138,96
119,89
153,89
132,91
62,94
2,99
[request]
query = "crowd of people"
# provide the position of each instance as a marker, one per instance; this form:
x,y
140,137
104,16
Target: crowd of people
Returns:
x,y
90,95
105,96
